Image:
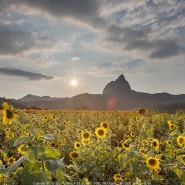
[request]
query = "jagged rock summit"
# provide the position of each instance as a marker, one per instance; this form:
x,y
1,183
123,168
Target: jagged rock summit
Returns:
x,y
118,87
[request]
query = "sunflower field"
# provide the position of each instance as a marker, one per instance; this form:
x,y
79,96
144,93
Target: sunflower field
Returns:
x,y
83,147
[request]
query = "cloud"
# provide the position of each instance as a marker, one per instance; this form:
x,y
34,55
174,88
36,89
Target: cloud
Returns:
x,y
14,42
25,74
75,59
81,11
33,46
138,41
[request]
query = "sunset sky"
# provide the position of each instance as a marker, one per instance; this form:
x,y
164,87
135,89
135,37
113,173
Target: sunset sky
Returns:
x,y
46,44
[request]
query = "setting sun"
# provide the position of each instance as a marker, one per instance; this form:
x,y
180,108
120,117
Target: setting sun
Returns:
x,y
74,83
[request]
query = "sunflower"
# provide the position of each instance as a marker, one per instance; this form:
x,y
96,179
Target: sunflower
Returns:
x,y
85,142
86,135
21,150
59,143
1,178
155,144
8,113
73,155
138,118
181,140
7,130
153,163
132,134
105,125
53,144
101,132
144,142
10,160
171,125
142,151
126,138
125,146
77,145
182,159
169,143
158,171
117,178
142,111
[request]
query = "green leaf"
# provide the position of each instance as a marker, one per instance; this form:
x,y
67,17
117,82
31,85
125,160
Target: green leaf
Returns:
x,y
135,168
15,165
51,153
37,132
131,154
35,152
22,140
37,178
48,137
32,167
2,169
53,164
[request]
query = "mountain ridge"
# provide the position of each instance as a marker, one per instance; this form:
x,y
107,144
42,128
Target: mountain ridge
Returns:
x,y
116,95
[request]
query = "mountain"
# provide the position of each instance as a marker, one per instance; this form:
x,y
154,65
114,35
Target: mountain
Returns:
x,y
13,102
31,98
126,98
118,87
116,95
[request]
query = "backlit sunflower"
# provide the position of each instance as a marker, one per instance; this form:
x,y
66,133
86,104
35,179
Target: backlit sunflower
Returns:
x,y
73,155
86,135
1,178
10,160
142,151
144,142
169,143
153,163
85,142
142,111
181,140
182,159
117,178
138,118
132,134
125,146
21,150
159,172
59,143
77,145
105,125
8,113
155,144
171,125
126,138
101,132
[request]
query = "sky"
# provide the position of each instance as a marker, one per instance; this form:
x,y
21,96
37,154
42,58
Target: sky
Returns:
x,y
46,44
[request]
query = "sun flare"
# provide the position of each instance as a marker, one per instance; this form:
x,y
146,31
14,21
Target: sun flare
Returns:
x,y
74,83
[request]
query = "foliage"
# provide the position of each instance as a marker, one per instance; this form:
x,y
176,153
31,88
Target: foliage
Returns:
x,y
141,147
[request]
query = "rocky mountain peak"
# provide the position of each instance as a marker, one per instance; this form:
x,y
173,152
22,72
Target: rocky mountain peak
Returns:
x,y
118,87
121,78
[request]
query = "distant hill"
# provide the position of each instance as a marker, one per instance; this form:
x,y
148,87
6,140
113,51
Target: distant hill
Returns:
x,y
116,95
31,98
13,102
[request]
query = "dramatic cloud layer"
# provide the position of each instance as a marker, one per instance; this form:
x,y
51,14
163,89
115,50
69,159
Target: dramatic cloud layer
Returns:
x,y
25,74
89,39
136,39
